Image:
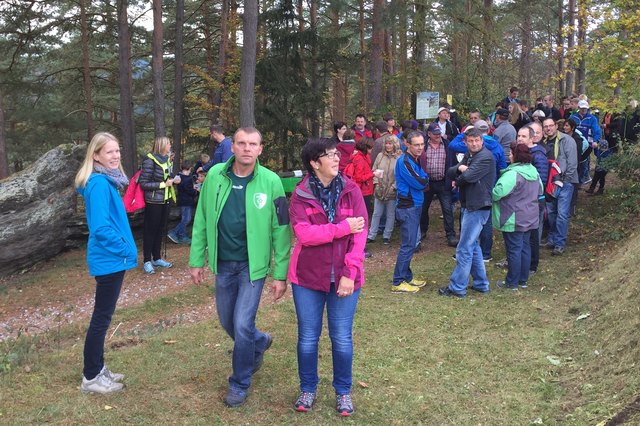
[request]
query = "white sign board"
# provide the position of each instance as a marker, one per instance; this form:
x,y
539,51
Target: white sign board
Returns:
x,y
427,105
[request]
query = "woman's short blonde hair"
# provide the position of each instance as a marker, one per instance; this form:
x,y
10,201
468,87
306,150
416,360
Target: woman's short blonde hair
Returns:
x,y
98,142
160,144
396,144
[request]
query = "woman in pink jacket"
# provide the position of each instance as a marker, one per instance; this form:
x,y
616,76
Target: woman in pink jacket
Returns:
x,y
328,217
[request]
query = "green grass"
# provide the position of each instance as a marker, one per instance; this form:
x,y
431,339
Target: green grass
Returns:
x,y
419,359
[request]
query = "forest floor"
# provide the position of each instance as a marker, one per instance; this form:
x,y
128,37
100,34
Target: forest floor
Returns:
x,y
542,355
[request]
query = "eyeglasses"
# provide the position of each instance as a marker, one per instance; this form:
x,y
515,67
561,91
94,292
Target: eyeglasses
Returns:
x,y
330,155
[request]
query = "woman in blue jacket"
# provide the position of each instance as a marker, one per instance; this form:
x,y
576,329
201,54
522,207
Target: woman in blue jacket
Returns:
x,y
111,250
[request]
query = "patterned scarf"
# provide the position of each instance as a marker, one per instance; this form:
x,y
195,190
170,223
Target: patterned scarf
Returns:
x,y
115,174
328,196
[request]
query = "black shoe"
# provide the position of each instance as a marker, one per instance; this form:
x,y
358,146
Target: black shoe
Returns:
x,y
589,191
370,241
477,290
446,291
558,251
600,191
503,285
452,242
385,241
258,362
235,398
367,254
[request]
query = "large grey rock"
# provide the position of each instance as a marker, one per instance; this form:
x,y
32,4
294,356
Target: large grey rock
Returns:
x,y
36,205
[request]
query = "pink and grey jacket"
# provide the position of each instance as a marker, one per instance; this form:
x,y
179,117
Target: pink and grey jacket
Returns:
x,y
322,247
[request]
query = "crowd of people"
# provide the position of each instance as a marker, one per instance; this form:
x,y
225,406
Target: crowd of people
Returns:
x,y
513,172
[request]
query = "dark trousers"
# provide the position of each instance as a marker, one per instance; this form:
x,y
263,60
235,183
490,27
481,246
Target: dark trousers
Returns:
x,y
598,177
534,242
107,293
437,187
155,221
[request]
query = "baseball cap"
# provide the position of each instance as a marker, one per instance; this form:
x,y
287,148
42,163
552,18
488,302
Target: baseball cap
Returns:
x,y
583,104
481,125
434,128
443,109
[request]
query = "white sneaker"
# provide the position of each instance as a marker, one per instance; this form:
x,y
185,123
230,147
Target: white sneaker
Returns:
x,y
100,384
115,377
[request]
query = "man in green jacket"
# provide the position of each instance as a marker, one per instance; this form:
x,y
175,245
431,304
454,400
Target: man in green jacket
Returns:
x,y
242,219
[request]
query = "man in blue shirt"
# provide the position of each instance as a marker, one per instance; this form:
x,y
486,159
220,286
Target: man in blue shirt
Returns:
x,y
222,152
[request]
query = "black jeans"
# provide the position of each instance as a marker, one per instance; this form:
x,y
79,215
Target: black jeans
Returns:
x,y
107,293
155,222
598,177
437,187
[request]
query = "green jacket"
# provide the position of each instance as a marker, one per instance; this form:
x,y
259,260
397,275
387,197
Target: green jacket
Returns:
x,y
267,222
515,199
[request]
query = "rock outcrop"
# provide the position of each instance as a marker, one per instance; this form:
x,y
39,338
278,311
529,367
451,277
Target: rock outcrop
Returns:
x,y
36,205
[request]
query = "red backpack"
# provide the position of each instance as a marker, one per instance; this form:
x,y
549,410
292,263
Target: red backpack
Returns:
x,y
134,195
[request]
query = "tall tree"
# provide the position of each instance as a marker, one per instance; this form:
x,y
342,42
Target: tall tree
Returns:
x,y
363,59
129,150
485,60
248,69
581,84
156,66
222,59
339,92
4,159
525,57
86,70
560,44
571,21
376,56
178,86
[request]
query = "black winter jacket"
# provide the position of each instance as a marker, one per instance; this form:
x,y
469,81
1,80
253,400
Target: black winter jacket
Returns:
x,y
152,180
477,182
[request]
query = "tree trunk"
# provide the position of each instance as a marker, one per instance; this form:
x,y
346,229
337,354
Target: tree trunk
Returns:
x,y
156,65
571,22
4,158
363,61
222,60
419,43
376,56
339,89
129,150
561,54
213,113
487,19
178,101
86,71
525,58
402,30
313,15
248,67
582,41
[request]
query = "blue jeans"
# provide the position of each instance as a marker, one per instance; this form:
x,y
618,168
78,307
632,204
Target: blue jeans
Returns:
x,y
186,212
444,196
536,237
237,300
583,170
340,312
380,209
558,212
486,237
469,254
107,293
517,245
409,232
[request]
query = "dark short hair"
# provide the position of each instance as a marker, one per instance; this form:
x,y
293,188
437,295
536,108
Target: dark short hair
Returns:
x,y
473,133
216,128
413,134
186,164
348,135
363,144
406,125
337,125
362,116
313,149
571,122
513,89
381,126
520,153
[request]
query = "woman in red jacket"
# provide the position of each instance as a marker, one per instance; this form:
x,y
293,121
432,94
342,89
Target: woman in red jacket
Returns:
x,y
362,173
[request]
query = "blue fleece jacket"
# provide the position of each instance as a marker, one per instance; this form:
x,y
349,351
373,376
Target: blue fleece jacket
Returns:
x,y
588,126
540,162
457,145
111,247
411,182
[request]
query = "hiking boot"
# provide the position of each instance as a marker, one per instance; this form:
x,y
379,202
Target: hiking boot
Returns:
x,y
446,291
589,191
235,398
452,242
161,263
100,384
148,268
404,287
558,251
257,364
173,237
417,283
114,377
523,285
385,241
344,405
503,285
305,401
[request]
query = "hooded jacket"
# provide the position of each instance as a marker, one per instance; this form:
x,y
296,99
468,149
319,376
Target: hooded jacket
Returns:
x,y
515,199
476,182
267,221
457,145
385,188
111,247
362,174
563,149
588,126
540,162
323,249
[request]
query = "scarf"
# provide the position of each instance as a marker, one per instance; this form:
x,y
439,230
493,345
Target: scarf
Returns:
x,y
328,196
115,174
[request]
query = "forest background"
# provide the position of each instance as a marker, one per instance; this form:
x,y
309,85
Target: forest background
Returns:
x,y
142,69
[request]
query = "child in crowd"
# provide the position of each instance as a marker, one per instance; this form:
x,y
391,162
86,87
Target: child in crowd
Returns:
x,y
198,184
186,196
204,159
602,152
